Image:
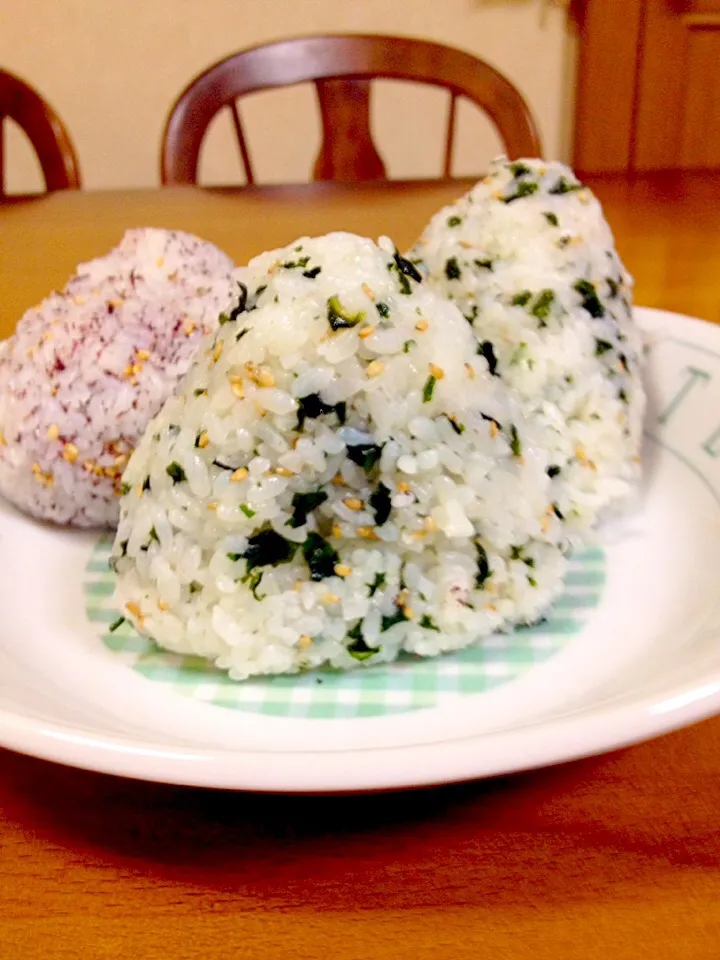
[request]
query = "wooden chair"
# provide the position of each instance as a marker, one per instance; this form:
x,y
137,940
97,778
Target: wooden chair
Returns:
x,y
44,129
341,68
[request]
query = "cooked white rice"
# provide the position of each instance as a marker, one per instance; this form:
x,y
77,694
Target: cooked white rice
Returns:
x,y
529,259
339,478
88,368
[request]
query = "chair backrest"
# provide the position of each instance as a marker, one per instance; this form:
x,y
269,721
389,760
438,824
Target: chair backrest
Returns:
x,y
44,129
341,68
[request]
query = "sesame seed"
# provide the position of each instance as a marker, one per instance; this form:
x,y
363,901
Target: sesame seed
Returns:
x,y
436,371
466,245
203,440
212,505
366,533
422,325
163,606
265,378
342,569
305,641
374,368
284,472
239,474
336,531
367,291
367,331
330,598
353,503
70,453
53,431
238,389
143,354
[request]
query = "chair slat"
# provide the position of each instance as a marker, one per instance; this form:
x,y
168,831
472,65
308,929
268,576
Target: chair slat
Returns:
x,y
347,152
450,138
242,144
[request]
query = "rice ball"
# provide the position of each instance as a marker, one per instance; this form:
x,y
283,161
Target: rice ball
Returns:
x,y
90,366
339,478
529,259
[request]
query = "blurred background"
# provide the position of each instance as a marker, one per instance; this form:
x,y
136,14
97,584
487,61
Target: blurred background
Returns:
x,y
112,70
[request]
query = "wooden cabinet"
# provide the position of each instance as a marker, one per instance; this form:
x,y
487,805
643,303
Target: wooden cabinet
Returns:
x,y
648,85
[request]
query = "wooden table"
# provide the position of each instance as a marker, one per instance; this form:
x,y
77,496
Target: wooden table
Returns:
x,y
615,856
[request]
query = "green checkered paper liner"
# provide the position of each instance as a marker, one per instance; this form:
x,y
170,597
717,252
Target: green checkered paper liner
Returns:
x,y
411,683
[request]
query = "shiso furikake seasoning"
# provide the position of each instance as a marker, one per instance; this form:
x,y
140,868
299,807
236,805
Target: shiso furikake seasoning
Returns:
x,y
320,557
303,504
265,548
312,406
486,349
483,567
359,649
452,269
339,317
365,455
590,300
429,389
381,503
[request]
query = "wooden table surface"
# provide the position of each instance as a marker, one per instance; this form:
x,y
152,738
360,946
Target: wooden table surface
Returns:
x,y
615,856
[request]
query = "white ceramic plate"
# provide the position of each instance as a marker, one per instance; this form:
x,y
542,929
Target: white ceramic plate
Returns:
x,y
630,651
